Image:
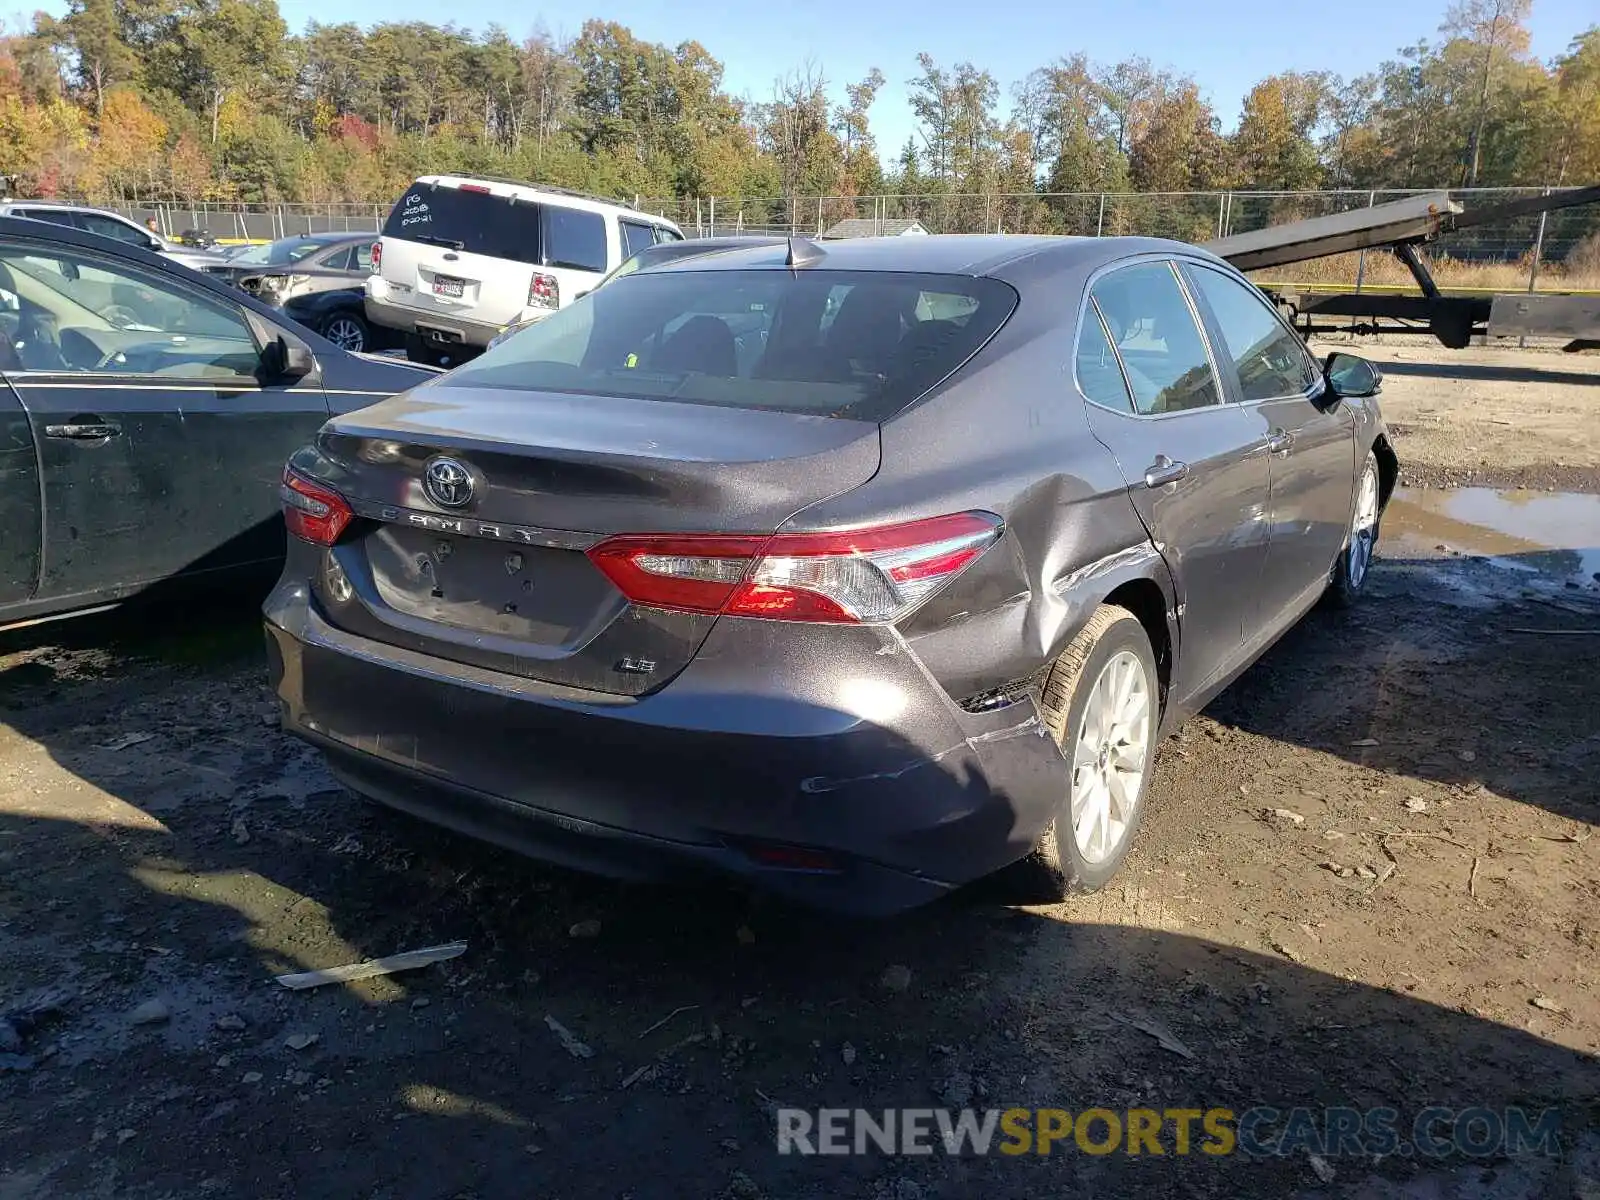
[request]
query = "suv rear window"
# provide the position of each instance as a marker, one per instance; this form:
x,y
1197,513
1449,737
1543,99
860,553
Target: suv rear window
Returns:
x,y
474,222
854,344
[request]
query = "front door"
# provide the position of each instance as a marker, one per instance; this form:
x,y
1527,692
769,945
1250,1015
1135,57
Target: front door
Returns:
x,y
1195,466
160,443
1310,436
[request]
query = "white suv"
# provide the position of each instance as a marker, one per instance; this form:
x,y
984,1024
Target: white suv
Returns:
x,y
461,259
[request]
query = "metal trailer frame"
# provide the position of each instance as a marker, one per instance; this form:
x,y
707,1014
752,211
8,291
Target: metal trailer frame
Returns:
x,y
1401,227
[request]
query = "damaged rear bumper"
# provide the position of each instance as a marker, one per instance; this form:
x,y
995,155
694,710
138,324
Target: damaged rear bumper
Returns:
x,y
824,764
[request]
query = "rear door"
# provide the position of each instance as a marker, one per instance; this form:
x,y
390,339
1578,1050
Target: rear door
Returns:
x,y
19,489
1196,467
1311,440
467,252
160,444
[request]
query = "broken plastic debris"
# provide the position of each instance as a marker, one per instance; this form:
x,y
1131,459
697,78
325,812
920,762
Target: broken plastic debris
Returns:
x,y
408,961
572,1045
124,740
1163,1036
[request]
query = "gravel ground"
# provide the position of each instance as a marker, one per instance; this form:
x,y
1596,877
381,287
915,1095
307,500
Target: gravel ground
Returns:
x,y
1366,878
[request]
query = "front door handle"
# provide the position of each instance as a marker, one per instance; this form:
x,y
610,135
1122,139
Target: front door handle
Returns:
x,y
84,432
1164,471
1279,441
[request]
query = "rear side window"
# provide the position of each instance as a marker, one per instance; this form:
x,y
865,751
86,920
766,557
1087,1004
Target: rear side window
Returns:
x,y
55,216
473,222
1270,359
574,238
1099,373
861,345
1162,352
636,237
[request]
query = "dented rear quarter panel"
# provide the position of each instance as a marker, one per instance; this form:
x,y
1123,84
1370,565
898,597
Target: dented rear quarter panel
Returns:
x,y
1007,434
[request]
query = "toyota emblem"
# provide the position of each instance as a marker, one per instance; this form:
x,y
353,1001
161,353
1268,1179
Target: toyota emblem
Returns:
x,y
447,483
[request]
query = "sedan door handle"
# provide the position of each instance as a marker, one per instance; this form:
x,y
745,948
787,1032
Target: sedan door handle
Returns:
x,y
1279,441
1164,471
92,432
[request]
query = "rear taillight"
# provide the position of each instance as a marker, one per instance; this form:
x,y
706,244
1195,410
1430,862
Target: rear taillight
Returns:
x,y
311,511
858,576
544,291
377,256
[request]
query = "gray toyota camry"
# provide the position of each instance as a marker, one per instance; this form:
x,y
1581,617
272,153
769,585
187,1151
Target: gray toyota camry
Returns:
x,y
857,570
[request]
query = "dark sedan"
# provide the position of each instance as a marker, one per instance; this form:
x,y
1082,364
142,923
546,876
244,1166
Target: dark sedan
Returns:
x,y
145,412
885,599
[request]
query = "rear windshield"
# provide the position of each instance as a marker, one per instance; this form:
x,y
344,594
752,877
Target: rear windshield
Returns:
x,y
861,345
281,252
475,222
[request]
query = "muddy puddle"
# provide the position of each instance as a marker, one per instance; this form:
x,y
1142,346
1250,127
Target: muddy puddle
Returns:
x,y
1551,534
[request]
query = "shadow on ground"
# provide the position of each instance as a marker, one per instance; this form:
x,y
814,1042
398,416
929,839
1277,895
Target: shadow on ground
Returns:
x,y
190,866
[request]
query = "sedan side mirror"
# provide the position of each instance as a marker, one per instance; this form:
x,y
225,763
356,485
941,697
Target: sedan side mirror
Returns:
x,y
1351,377
282,359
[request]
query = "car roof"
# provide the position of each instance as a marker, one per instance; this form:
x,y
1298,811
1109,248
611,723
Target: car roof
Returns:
x,y
64,206
936,254
554,195
329,235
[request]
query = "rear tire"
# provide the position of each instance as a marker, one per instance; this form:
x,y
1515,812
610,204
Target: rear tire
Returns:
x,y
348,331
1353,567
1102,704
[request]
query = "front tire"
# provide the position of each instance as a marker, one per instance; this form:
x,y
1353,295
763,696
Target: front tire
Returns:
x,y
1102,704
1354,564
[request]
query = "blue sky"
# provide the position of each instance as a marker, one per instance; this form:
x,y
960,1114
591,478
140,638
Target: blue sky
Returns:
x,y
1226,46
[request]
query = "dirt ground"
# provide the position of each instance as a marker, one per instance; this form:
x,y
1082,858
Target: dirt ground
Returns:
x,y
1366,878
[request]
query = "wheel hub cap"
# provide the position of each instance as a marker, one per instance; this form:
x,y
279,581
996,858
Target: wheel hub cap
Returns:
x,y
1109,757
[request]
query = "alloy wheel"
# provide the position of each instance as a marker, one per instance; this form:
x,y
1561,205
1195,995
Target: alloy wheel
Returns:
x,y
1110,755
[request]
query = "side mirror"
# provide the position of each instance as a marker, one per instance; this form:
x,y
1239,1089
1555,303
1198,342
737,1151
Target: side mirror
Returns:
x,y
283,360
1351,377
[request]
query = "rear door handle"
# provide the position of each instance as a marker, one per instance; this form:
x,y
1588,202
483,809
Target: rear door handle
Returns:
x,y
88,432
1164,471
1279,441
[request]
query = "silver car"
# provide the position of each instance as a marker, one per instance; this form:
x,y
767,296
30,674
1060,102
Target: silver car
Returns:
x,y
114,226
855,571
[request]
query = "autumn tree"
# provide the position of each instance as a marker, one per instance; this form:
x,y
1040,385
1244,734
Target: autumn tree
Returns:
x,y
92,35
1275,147
1496,29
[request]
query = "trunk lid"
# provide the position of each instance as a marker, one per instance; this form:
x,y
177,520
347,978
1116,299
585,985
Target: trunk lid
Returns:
x,y
501,580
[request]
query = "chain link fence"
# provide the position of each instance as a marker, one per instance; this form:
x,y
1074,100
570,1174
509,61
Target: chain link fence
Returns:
x,y
1560,249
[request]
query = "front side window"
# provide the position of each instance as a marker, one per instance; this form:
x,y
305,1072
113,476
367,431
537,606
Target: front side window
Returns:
x,y
574,238
663,234
1270,359
1154,330
112,228
861,345
63,311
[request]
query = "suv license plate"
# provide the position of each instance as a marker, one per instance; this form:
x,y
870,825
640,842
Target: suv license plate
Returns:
x,y
445,285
